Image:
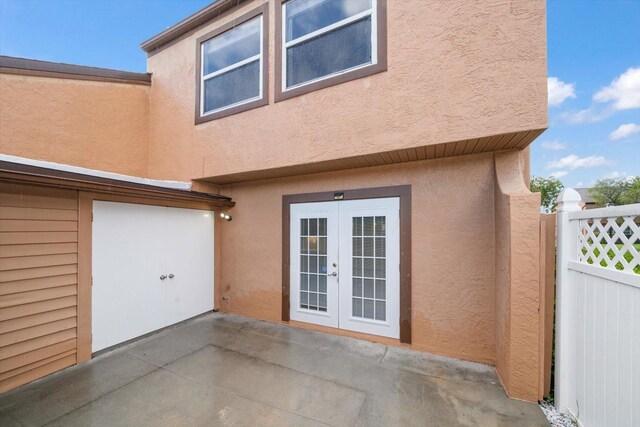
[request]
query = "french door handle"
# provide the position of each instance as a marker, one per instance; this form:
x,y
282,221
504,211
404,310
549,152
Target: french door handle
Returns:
x,y
333,274
171,276
163,277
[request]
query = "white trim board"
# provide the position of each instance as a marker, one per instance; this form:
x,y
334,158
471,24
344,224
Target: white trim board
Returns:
x,y
176,185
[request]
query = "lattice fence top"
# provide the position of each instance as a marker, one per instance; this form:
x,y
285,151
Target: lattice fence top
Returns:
x,y
610,242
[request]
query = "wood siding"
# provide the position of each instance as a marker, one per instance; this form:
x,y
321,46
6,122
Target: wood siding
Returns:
x,y
38,282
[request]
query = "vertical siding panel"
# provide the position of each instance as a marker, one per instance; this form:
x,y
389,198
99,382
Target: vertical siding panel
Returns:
x,y
590,367
624,356
611,355
635,368
600,305
579,282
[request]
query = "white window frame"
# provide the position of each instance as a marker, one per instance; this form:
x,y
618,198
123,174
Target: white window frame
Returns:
x,y
204,78
373,12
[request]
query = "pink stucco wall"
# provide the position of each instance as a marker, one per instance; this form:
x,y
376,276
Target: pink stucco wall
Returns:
x,y
453,293
91,124
456,70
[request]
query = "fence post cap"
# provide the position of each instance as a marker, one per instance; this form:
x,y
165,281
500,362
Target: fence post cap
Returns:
x,y
569,200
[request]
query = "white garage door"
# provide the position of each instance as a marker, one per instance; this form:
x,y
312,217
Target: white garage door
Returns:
x,y
152,267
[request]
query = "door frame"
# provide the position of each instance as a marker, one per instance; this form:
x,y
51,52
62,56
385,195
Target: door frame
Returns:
x,y
403,192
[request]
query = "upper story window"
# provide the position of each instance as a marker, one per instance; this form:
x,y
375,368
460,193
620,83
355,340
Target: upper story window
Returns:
x,y
232,68
326,42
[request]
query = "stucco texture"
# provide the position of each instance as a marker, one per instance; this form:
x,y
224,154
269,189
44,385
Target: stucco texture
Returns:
x,y
517,237
453,310
91,124
456,70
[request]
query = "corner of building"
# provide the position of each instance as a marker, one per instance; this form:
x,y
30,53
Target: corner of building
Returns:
x,y
518,328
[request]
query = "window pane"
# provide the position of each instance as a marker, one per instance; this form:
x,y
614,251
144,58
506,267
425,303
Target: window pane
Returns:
x,y
305,16
380,247
368,288
234,86
367,269
357,246
357,226
356,308
380,226
341,49
380,289
357,287
322,225
322,301
231,47
368,246
368,309
322,283
368,225
381,310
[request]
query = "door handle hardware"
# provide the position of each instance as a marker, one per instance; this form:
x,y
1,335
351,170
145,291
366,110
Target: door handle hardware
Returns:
x,y
163,277
333,274
171,276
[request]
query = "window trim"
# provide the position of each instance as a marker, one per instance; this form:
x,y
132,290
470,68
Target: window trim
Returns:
x,y
378,52
251,103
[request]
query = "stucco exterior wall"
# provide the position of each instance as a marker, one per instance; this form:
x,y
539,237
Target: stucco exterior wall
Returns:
x,y
453,293
517,236
91,124
456,70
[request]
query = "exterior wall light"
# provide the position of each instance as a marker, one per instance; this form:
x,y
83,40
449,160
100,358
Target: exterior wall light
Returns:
x,y
225,216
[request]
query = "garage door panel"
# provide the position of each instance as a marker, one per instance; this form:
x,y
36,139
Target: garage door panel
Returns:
x,y
127,293
133,246
190,260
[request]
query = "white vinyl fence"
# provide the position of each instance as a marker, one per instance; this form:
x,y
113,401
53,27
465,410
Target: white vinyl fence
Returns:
x,y
597,359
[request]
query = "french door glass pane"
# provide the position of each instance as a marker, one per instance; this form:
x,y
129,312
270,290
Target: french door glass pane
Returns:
x,y
237,85
343,48
369,267
306,16
313,264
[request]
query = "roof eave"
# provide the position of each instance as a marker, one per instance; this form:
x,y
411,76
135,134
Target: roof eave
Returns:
x,y
189,24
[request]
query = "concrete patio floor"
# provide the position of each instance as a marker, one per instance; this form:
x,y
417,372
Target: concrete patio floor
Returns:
x,y
229,370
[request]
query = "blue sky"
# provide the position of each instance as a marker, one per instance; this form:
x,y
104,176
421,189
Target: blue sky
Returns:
x,y
594,92
594,68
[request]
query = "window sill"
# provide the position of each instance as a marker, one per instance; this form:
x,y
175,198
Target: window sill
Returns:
x,y
281,95
231,111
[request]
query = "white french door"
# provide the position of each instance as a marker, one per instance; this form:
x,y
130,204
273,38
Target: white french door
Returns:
x,y
345,265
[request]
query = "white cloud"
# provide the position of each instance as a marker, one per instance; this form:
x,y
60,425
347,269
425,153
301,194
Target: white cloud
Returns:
x,y
613,175
558,91
588,115
554,145
624,131
617,175
574,162
559,174
624,91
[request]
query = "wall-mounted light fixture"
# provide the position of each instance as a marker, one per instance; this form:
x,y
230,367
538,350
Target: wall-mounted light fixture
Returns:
x,y
225,216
